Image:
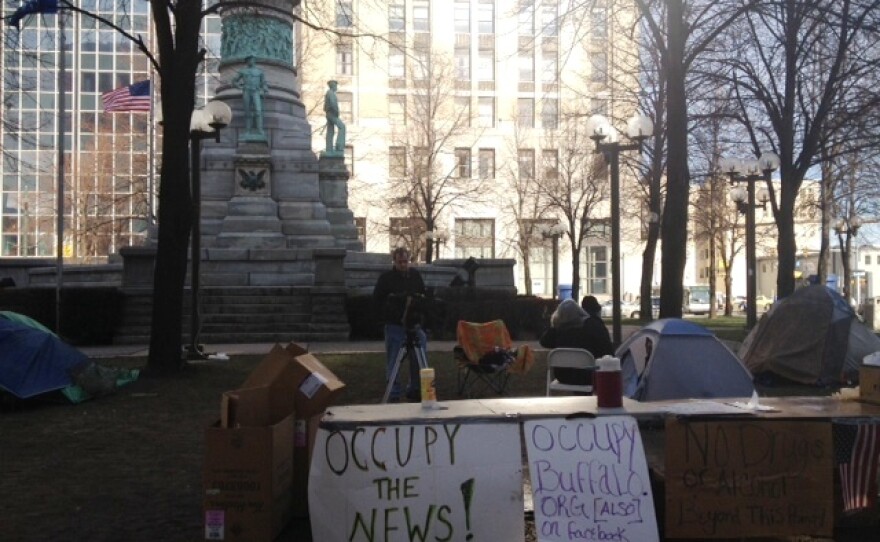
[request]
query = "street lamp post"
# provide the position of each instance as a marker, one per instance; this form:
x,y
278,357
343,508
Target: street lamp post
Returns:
x,y
846,229
205,123
434,239
750,172
554,232
599,129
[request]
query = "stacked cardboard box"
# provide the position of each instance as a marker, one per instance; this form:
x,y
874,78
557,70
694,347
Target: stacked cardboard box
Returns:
x,y
257,456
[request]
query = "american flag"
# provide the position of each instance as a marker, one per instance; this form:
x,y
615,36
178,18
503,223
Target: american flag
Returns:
x,y
133,97
857,451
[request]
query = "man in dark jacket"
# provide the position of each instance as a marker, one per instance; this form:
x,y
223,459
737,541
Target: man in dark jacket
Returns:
x,y
397,295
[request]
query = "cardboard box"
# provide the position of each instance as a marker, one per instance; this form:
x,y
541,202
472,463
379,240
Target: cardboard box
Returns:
x,y
318,387
249,458
869,384
301,384
247,478
304,433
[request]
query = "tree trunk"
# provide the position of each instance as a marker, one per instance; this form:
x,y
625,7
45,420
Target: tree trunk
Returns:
x,y
786,245
646,287
179,59
675,214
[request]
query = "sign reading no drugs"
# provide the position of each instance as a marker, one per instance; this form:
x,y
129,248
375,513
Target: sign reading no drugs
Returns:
x,y
590,480
438,482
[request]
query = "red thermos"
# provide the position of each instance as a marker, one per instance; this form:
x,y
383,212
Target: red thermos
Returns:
x,y
609,386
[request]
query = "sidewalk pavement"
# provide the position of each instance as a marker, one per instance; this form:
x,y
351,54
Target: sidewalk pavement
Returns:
x,y
124,350
333,347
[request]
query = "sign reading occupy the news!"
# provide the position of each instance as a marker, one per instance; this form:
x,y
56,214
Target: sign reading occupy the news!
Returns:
x,y
443,481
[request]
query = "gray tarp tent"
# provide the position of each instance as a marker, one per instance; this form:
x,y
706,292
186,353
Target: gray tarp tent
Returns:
x,y
810,337
678,359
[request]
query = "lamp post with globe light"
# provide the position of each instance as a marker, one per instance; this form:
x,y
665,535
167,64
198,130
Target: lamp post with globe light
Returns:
x,y
205,123
846,229
750,171
599,129
433,239
553,232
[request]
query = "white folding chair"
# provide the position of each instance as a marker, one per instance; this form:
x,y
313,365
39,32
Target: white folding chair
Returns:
x,y
571,358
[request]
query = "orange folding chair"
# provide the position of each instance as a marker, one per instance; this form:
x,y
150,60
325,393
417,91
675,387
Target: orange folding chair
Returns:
x,y
486,357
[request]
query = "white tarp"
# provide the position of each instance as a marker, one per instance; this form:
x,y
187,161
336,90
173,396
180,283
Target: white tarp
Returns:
x,y
590,480
443,481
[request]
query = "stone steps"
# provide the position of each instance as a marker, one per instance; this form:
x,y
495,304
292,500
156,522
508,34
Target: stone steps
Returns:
x,y
245,315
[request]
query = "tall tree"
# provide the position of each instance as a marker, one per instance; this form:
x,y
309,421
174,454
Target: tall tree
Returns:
x,y
690,29
430,158
576,190
806,77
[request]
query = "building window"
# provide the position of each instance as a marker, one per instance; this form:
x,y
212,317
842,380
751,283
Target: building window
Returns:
x,y
486,111
397,162
421,16
346,105
463,106
396,18
599,23
406,232
344,59
360,224
525,112
526,164
474,237
599,106
598,66
397,109
550,115
463,64
526,66
526,18
421,65
549,22
549,68
343,14
550,163
463,163
349,160
463,17
595,269
487,164
486,65
486,17
396,64
867,259
422,162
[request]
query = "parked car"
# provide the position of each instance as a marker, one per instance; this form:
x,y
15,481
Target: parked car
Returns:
x,y
655,308
763,303
627,309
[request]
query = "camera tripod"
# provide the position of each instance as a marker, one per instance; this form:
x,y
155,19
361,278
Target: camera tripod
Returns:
x,y
408,351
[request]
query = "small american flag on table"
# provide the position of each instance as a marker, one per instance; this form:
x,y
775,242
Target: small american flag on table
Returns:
x,y
857,451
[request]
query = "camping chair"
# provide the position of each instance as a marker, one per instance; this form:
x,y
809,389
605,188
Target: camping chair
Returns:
x,y
486,358
571,358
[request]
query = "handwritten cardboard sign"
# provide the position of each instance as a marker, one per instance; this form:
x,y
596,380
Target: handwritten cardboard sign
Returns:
x,y
590,480
434,482
739,478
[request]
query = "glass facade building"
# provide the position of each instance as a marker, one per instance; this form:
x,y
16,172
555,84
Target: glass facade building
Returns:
x,y
110,160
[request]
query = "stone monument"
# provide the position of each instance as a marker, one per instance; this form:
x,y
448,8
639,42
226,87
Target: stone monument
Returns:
x,y
275,221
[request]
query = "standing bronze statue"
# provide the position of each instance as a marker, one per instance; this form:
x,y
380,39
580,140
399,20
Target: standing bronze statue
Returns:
x,y
331,109
253,85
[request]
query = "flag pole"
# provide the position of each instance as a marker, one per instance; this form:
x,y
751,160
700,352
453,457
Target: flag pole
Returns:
x,y
59,248
151,168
